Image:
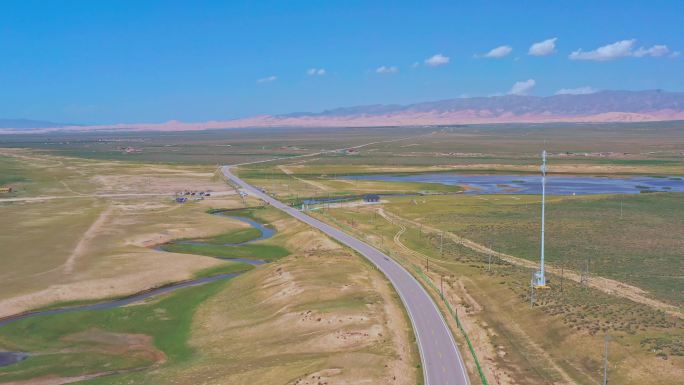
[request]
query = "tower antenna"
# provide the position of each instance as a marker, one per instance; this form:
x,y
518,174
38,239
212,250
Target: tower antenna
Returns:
x,y
539,278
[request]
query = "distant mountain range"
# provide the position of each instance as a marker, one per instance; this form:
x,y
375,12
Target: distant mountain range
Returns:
x,y
604,106
28,124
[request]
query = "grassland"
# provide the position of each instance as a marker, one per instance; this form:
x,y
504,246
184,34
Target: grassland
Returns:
x,y
101,221
321,314
107,341
559,340
238,236
11,171
216,246
635,239
647,148
260,252
207,148
98,221
297,188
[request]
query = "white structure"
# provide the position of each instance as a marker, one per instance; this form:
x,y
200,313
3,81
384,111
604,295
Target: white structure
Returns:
x,y
539,280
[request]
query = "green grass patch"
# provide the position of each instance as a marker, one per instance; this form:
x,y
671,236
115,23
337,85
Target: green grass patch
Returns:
x,y
227,268
217,246
11,171
631,238
252,251
254,213
238,236
167,321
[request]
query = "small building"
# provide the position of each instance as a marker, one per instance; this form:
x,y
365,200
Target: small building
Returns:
x,y
371,198
5,190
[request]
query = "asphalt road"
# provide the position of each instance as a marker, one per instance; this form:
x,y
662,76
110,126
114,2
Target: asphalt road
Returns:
x,y
441,360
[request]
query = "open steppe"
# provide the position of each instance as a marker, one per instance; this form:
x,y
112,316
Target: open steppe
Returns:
x,y
91,191
315,313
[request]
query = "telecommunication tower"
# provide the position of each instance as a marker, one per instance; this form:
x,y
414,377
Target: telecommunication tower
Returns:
x,y
539,280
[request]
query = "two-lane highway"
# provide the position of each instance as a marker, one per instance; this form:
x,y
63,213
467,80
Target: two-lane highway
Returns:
x,y
442,363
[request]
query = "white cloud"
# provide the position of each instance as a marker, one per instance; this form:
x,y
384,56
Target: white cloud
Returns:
x,y
620,49
387,70
676,54
267,79
437,60
576,91
543,48
415,65
616,50
655,51
522,87
498,52
316,71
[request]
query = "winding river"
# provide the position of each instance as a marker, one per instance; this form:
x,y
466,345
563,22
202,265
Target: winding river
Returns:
x,y
8,358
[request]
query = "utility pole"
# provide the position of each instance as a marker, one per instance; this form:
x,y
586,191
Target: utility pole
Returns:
x,y
489,267
605,360
621,209
562,273
441,285
441,244
532,292
584,276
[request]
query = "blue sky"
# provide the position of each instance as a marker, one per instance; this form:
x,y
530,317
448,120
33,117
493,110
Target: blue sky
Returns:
x,y
152,61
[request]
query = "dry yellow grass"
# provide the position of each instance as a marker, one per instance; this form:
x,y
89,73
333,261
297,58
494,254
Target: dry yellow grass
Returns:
x,y
92,240
517,344
321,315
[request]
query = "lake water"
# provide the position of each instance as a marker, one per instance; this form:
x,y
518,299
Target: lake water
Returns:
x,y
9,358
531,184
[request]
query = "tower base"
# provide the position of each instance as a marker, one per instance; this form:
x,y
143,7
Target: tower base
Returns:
x,y
538,280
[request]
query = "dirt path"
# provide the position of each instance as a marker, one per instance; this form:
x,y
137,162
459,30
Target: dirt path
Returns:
x,y
54,380
606,285
288,172
82,244
14,154
483,344
478,334
121,195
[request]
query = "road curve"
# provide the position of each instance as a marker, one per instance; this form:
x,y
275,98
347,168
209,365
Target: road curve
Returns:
x,y
441,361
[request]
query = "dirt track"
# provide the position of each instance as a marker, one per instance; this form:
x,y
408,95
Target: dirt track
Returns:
x,y
606,285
